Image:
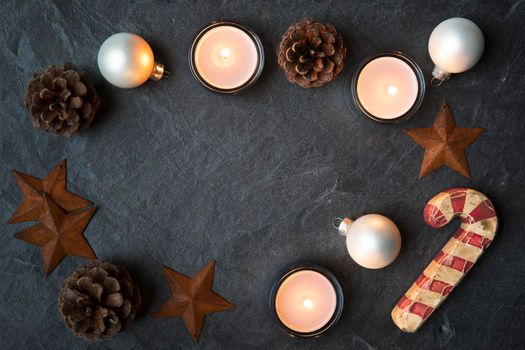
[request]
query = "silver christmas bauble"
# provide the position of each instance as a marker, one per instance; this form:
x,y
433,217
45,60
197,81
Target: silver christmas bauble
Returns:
x,y
455,46
126,60
373,241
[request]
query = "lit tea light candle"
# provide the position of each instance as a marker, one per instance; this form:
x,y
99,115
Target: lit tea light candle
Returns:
x,y
388,87
307,301
226,57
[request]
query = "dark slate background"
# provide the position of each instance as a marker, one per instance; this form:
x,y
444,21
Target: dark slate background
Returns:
x,y
182,175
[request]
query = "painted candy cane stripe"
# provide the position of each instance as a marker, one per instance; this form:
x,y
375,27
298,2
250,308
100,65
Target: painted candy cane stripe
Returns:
x,y
425,282
414,307
457,199
485,228
454,262
409,319
443,273
472,238
439,216
447,269
465,251
481,212
423,296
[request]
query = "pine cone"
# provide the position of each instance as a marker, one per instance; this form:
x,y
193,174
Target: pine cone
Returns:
x,y
61,99
311,54
98,300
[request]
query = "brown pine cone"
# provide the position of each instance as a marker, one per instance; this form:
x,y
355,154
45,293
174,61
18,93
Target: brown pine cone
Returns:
x,y
61,99
98,300
311,54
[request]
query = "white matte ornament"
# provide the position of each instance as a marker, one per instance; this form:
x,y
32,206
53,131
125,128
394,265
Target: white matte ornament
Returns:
x,y
126,61
455,46
373,241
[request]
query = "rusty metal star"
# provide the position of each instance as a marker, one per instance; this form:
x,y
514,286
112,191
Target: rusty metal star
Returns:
x,y
192,298
444,143
54,184
59,234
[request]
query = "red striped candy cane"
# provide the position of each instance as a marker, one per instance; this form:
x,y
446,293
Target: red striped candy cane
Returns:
x,y
478,227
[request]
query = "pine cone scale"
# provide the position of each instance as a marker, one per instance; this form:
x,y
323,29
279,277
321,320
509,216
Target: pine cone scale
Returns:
x,y
60,84
111,285
46,79
126,308
75,102
316,42
328,50
47,95
80,89
71,77
114,300
303,68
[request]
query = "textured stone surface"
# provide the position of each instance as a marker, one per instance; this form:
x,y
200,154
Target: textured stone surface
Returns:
x,y
182,175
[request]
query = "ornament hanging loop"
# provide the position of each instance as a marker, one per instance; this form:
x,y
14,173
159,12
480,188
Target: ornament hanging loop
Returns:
x,y
439,76
436,82
342,225
336,222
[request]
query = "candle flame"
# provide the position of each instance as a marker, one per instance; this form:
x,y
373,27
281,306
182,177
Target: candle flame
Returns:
x,y
308,303
225,54
391,90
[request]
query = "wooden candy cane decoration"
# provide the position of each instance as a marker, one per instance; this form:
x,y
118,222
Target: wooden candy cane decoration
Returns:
x,y
478,227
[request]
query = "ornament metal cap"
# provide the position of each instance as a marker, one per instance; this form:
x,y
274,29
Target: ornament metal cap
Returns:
x,y
158,72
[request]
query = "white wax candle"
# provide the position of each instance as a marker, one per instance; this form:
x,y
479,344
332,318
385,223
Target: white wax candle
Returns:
x,y
226,57
387,87
305,301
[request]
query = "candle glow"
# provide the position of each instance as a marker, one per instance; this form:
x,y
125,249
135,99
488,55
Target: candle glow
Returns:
x,y
305,301
226,57
387,87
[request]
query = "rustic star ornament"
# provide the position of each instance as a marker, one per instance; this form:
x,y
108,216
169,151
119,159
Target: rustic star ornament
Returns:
x,y
192,298
444,143
59,234
54,184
